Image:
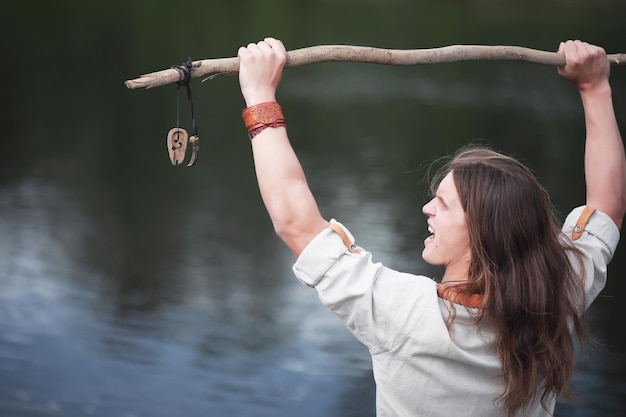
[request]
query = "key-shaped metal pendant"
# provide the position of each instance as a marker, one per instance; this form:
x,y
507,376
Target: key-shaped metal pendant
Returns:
x,y
177,145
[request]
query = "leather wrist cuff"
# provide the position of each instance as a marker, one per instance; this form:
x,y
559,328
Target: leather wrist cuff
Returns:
x,y
261,116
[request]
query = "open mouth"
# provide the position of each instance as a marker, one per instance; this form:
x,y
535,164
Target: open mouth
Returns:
x,y
432,234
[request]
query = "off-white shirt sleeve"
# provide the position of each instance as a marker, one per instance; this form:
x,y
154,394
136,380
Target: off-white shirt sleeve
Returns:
x,y
597,245
379,305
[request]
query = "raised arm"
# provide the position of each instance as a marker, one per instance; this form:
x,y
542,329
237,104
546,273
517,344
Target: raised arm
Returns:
x,y
284,189
605,165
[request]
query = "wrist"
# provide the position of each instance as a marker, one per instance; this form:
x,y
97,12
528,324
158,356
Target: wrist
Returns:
x,y
257,96
253,101
602,88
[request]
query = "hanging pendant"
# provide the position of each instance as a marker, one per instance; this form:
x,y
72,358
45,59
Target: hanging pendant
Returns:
x,y
177,145
195,149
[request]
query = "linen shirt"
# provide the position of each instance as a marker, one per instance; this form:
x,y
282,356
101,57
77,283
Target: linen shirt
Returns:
x,y
421,367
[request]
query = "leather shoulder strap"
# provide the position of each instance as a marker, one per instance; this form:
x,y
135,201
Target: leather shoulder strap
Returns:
x,y
582,222
342,234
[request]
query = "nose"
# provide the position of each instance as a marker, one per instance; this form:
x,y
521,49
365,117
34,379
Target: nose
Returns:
x,y
429,208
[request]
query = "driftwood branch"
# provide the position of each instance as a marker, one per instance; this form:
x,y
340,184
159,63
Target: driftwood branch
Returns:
x,y
347,53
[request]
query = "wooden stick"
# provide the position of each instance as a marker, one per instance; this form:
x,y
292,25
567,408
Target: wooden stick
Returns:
x,y
348,53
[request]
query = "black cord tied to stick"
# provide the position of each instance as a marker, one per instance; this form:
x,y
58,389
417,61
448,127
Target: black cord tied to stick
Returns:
x,y
177,137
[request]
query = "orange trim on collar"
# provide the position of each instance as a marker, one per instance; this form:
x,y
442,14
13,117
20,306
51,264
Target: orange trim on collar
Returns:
x,y
454,296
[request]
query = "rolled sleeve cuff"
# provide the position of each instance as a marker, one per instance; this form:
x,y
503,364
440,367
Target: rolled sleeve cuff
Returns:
x,y
319,255
599,226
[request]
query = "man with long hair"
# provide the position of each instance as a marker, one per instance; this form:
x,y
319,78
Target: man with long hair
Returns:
x,y
496,337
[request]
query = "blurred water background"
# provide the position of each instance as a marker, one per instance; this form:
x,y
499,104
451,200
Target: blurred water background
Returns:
x,y
129,287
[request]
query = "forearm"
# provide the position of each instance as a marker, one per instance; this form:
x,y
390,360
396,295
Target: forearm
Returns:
x,y
605,163
284,190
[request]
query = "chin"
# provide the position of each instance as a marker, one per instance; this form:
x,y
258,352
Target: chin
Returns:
x,y
426,259
429,259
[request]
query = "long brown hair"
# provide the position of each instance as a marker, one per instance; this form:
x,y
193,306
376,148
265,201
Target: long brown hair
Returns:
x,y
522,265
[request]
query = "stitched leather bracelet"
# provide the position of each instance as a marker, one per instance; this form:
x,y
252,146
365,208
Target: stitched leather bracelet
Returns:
x,y
261,116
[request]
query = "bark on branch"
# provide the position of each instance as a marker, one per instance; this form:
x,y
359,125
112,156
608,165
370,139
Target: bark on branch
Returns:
x,y
348,53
